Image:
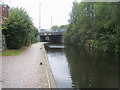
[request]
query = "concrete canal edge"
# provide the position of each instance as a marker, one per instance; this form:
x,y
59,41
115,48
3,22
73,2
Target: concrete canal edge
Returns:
x,y
50,77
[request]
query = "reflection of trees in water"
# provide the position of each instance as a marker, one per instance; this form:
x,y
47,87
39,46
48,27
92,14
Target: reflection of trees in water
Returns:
x,y
90,68
119,70
55,51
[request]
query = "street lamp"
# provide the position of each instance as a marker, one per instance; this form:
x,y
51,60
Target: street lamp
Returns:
x,y
51,22
39,16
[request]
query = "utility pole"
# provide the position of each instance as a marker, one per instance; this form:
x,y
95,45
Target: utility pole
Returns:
x,y
39,16
51,22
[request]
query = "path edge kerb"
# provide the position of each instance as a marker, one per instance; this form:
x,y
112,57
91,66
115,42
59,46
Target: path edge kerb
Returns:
x,y
49,71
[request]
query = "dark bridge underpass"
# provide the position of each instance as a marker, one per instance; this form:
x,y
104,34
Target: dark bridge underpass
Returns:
x,y
52,36
54,39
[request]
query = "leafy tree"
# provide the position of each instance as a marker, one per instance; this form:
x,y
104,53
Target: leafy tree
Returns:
x,y
95,23
55,27
63,27
106,21
18,29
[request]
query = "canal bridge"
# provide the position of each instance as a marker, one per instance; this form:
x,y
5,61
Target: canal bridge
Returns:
x,y
53,36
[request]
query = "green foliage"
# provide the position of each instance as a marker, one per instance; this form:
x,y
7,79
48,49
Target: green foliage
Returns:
x,y
59,27
55,27
18,29
63,26
98,22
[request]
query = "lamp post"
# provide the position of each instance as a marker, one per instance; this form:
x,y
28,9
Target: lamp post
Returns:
x,y
39,16
51,22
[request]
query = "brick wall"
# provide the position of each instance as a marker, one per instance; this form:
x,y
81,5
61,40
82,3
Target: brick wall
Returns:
x,y
0,14
3,15
3,12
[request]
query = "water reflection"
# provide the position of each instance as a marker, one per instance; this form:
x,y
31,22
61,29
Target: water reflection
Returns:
x,y
90,68
59,66
83,68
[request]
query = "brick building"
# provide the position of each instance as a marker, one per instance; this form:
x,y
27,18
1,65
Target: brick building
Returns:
x,y
0,14
3,15
3,12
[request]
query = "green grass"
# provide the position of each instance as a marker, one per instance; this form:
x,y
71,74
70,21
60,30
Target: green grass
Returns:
x,y
11,52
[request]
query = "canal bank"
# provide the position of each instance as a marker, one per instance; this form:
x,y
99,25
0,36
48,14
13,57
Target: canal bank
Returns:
x,y
50,76
25,70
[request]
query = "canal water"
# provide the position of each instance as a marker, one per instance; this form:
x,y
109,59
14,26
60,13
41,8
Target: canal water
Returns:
x,y
80,67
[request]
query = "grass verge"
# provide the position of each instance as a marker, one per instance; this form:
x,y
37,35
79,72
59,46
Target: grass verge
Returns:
x,y
11,52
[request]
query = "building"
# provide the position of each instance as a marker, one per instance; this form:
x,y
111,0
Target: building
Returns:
x,y
3,12
0,13
3,15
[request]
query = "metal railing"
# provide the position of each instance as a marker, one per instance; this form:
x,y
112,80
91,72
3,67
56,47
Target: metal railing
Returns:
x,y
53,30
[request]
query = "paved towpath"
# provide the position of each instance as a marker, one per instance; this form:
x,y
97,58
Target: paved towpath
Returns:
x,y
24,71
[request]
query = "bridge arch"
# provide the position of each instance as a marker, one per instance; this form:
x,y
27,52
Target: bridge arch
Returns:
x,y
54,37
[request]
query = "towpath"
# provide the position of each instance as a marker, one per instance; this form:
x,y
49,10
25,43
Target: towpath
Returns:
x,y
24,71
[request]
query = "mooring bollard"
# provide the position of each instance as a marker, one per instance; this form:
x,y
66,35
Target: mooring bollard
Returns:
x,y
41,63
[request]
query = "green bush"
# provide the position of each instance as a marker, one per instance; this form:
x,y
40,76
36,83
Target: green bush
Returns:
x,y
18,29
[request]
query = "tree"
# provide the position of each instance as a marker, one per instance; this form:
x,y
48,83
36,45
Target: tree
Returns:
x,y
94,22
63,27
18,29
55,27
107,22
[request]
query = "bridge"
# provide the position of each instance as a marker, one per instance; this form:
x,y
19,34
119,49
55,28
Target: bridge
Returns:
x,y
53,36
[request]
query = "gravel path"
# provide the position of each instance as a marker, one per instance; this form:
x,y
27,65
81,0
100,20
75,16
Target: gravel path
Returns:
x,y
24,71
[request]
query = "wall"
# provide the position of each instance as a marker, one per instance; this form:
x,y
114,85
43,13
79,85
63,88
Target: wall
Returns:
x,y
0,14
3,15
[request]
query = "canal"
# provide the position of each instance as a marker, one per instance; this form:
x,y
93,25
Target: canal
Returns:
x,y
80,67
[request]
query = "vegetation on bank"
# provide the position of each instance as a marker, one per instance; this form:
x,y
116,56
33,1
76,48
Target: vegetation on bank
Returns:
x,y
96,24
59,27
18,29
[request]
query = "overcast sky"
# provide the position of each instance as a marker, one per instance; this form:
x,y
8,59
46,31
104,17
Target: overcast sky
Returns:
x,y
57,9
